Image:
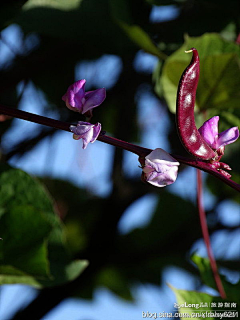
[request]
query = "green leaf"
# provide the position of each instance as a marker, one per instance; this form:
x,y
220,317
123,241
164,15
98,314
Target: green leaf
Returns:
x,y
24,226
219,73
23,246
114,279
64,272
231,157
219,82
204,267
230,119
10,275
227,118
141,39
189,303
54,4
168,83
33,248
122,13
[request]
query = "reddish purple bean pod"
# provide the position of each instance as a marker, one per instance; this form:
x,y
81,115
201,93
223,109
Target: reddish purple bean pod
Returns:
x,y
187,130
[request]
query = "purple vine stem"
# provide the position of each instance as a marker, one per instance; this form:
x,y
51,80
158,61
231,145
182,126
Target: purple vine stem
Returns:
x,y
140,151
203,222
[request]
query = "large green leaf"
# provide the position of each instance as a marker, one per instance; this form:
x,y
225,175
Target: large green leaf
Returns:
x,y
24,229
33,247
219,76
219,82
24,222
11,275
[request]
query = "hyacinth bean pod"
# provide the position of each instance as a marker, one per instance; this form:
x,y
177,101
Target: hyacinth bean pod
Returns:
x,y
187,130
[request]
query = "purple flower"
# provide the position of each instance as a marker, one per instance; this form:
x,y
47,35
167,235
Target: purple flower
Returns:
x,y
160,168
78,100
209,132
86,131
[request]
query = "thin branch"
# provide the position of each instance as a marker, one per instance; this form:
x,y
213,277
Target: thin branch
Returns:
x,y
206,166
34,118
206,237
140,151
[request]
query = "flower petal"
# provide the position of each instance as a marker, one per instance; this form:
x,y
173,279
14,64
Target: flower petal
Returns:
x,y
152,176
86,131
86,138
228,136
160,168
147,169
159,156
163,179
150,165
96,130
81,128
94,99
209,131
74,96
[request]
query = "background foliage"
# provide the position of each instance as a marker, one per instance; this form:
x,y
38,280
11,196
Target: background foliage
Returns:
x,y
52,229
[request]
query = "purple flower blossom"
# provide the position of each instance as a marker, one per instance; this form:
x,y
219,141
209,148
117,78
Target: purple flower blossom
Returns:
x,y
160,168
78,100
209,132
86,131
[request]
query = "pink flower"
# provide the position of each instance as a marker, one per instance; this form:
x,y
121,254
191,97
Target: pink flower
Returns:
x,y
160,168
86,131
209,132
78,100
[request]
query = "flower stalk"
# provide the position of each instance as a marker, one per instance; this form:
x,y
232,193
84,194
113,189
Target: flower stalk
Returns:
x,y
206,238
140,151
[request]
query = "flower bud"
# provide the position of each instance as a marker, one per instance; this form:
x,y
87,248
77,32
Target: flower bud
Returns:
x,y
78,100
86,131
160,168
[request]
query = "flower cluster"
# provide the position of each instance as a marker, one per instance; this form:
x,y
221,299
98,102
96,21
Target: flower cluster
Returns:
x,y
159,168
78,100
